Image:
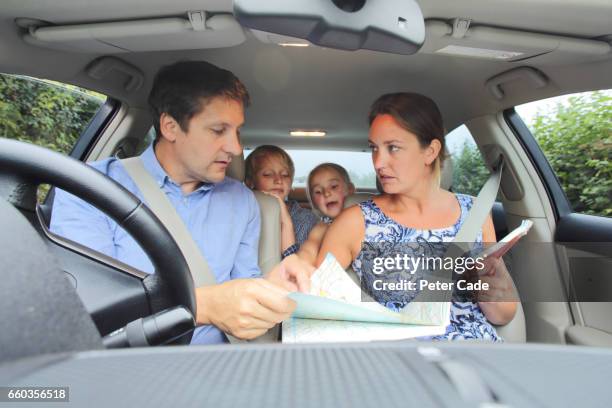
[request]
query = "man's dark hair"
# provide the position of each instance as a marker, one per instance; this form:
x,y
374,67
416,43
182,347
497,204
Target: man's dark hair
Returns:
x,y
183,89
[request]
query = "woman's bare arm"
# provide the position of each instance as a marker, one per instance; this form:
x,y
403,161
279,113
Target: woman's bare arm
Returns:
x,y
343,237
310,249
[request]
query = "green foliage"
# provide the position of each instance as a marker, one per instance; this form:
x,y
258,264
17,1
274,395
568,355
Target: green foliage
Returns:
x,y
576,138
577,141
469,170
45,113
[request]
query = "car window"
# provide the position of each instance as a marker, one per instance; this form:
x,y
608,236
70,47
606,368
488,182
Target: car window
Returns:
x,y
575,134
47,113
469,171
357,163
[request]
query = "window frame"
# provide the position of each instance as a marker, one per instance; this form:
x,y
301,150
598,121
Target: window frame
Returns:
x,y
95,128
560,203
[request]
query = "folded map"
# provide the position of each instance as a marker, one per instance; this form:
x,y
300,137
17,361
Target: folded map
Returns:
x,y
335,310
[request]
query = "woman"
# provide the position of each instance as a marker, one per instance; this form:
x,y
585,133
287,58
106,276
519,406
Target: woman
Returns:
x,y
407,142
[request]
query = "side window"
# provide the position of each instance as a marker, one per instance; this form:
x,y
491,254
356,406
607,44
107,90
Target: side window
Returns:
x,y
469,172
575,134
47,113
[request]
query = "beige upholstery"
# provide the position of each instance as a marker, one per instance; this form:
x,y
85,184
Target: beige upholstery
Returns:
x,y
270,238
516,330
236,168
356,198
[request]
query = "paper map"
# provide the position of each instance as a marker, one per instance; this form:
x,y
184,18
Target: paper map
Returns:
x,y
334,311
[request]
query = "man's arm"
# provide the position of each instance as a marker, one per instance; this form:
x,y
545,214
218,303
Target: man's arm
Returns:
x,y
246,260
81,222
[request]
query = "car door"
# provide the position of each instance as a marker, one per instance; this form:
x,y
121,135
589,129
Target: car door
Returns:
x,y
569,141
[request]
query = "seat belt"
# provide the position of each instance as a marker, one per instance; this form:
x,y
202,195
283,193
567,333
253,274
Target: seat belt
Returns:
x,y
164,210
481,207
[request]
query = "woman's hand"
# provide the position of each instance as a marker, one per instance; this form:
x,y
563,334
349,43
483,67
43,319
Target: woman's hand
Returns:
x,y
292,273
498,302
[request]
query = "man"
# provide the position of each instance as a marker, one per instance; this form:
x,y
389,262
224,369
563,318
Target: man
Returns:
x,y
198,110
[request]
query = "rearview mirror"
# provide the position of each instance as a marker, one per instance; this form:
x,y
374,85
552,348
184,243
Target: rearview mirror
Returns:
x,y
394,26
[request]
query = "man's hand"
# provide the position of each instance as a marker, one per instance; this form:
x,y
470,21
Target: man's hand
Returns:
x,y
244,308
292,273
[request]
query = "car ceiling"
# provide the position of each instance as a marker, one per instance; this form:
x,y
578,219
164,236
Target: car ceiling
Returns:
x,y
323,88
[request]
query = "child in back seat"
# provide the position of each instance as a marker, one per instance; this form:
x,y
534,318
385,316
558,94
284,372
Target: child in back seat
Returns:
x,y
269,169
328,186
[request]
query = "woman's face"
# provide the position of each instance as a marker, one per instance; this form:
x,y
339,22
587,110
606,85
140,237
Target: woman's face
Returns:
x,y
328,191
400,162
273,176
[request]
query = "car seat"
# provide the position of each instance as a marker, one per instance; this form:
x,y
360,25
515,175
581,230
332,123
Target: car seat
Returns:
x,y
270,238
270,235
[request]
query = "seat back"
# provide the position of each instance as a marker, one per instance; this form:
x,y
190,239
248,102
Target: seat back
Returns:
x,y
356,198
270,235
516,330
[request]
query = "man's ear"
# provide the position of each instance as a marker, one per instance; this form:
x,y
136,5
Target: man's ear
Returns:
x,y
168,127
432,151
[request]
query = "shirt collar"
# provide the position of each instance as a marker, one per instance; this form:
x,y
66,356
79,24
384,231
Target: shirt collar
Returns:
x,y
162,178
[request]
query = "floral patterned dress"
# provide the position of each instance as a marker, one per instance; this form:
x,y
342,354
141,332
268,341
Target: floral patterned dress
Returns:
x,y
467,320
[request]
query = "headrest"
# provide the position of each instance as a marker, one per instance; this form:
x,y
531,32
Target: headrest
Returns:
x,y
236,168
356,198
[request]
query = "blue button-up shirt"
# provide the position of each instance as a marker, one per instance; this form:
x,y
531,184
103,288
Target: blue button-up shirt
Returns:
x,y
223,219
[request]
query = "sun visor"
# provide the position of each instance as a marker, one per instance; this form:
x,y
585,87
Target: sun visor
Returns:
x,y
394,26
199,31
460,38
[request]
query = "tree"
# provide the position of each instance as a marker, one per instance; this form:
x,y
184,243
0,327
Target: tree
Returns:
x,y
576,138
469,170
45,113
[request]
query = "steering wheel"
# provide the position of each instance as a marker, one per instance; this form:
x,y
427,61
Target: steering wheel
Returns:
x,y
24,166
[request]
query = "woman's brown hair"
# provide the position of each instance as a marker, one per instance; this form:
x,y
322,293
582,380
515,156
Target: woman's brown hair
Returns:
x,y
416,113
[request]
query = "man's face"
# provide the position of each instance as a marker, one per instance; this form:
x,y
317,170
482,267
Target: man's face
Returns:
x,y
204,151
